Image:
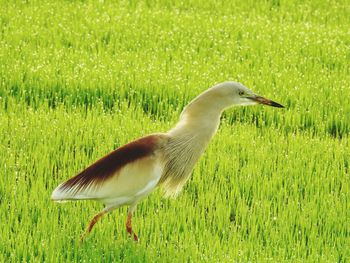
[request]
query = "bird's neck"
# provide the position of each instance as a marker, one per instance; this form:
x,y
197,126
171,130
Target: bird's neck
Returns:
x,y
187,141
198,122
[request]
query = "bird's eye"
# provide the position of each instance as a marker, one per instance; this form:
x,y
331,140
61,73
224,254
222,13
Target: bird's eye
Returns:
x,y
241,93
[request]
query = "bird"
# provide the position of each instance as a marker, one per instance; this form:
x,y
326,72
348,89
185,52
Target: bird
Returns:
x,y
127,175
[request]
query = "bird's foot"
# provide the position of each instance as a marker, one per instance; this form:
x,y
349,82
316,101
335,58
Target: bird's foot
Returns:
x,y
82,238
131,233
129,227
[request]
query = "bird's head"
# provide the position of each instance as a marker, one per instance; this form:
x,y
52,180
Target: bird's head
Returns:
x,y
232,93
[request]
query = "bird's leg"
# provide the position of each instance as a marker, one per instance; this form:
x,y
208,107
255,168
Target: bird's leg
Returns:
x,y
129,227
91,225
128,224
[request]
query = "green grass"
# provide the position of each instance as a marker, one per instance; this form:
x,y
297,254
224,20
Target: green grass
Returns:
x,y
78,79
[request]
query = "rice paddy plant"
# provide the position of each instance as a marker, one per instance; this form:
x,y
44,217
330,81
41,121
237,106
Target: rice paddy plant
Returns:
x,y
78,79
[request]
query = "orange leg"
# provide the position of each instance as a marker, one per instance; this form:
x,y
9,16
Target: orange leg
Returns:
x,y
129,227
91,225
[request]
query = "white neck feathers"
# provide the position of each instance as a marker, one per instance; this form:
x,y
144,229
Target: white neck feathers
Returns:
x,y
198,123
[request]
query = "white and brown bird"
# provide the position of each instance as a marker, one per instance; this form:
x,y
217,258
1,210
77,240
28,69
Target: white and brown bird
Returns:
x,y
130,173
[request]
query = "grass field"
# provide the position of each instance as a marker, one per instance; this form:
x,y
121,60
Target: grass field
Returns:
x,y
80,78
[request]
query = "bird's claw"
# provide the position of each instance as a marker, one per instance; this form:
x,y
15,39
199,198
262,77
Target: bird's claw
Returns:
x,y
82,238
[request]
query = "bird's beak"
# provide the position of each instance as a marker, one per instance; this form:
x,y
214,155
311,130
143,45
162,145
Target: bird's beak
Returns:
x,y
262,100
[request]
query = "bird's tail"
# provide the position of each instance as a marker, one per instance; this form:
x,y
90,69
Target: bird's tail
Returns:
x,y
61,194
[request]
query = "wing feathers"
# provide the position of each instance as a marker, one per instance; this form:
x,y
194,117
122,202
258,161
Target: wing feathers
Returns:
x,y
105,168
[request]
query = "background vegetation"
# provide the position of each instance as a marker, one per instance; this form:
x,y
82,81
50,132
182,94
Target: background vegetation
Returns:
x,y
80,78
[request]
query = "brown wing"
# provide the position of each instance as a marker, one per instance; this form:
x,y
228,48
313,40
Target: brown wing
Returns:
x,y
108,166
